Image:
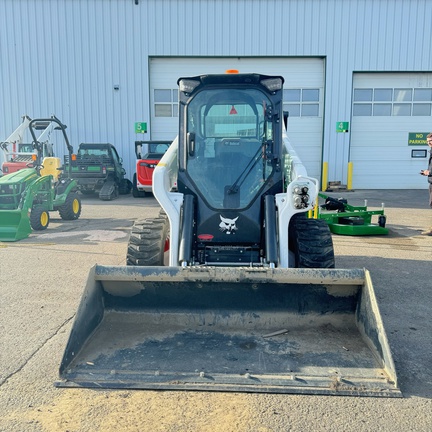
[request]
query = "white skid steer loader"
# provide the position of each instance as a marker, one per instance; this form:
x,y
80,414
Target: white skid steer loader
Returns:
x,y
250,300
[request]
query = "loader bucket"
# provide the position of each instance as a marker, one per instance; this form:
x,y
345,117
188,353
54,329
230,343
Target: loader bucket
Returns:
x,y
14,225
309,331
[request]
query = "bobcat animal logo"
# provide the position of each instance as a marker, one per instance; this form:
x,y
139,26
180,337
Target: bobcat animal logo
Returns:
x,y
228,226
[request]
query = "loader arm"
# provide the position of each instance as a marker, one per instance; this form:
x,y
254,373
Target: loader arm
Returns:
x,y
17,135
164,190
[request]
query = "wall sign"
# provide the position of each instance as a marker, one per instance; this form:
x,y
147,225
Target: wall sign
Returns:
x,y
140,127
417,138
342,126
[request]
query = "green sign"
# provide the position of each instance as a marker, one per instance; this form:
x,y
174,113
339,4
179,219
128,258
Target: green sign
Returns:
x,y
342,126
140,127
417,138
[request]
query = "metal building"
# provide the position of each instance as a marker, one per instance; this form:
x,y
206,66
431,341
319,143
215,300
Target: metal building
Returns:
x,y
358,73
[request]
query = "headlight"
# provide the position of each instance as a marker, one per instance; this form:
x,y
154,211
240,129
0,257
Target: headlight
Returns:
x,y
300,196
273,84
297,202
188,86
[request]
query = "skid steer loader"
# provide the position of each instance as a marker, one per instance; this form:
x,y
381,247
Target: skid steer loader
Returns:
x,y
250,300
11,147
19,154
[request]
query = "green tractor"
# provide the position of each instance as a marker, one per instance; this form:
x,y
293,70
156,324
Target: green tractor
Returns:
x,y
27,196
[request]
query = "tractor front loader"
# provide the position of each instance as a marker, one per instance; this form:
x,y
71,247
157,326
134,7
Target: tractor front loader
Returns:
x,y
28,195
250,299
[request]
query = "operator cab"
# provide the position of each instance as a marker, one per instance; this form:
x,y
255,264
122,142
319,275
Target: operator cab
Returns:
x,y
229,159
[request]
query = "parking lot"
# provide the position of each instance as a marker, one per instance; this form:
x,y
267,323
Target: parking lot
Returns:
x,y
41,283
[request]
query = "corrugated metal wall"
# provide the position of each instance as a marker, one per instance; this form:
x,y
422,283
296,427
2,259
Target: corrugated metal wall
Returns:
x,y
66,56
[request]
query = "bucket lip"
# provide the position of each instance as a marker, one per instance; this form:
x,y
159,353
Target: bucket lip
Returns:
x,y
232,274
290,383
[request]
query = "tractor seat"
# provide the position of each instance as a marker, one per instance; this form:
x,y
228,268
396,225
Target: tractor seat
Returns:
x,y
50,167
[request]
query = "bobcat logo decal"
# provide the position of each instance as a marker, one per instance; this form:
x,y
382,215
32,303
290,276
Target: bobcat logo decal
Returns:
x,y
228,226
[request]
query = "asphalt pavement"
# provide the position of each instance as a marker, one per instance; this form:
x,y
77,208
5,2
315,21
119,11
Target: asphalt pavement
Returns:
x,y
41,283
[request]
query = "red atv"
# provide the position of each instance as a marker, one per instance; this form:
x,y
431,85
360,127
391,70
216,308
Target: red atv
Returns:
x,y
148,154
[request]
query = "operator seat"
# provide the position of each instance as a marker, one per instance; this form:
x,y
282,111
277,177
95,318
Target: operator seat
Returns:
x,y
51,166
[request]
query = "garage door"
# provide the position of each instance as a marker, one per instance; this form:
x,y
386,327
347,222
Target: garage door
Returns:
x,y
303,96
391,115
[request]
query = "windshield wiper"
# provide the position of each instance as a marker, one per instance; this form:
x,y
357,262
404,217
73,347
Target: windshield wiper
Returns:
x,y
235,187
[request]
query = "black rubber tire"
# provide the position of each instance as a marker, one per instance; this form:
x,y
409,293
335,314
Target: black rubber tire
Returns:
x,y
135,192
382,221
311,242
71,209
147,242
39,218
114,194
125,187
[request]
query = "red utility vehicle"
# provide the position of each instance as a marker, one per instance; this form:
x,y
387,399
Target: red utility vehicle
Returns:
x,y
148,154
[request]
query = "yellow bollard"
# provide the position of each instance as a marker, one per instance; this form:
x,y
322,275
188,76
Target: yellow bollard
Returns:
x,y
315,211
324,179
350,174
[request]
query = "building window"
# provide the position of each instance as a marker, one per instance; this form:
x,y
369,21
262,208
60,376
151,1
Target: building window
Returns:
x,y
403,95
400,109
302,102
421,109
383,95
310,110
423,95
362,110
363,95
165,103
404,102
382,109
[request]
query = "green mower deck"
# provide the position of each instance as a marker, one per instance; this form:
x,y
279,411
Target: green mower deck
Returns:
x,y
353,220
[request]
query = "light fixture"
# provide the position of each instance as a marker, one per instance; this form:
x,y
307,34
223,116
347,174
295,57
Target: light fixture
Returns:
x,y
188,86
272,84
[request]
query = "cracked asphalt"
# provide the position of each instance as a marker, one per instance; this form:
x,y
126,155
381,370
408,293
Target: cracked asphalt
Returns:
x,y
41,283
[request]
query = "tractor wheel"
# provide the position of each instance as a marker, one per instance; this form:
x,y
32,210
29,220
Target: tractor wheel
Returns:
x,y
148,242
71,209
311,243
39,218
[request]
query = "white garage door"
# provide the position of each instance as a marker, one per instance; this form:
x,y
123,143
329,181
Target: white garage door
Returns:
x,y
303,96
387,107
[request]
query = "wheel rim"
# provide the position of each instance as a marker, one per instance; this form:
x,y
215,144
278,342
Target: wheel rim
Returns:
x,y
75,206
44,219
